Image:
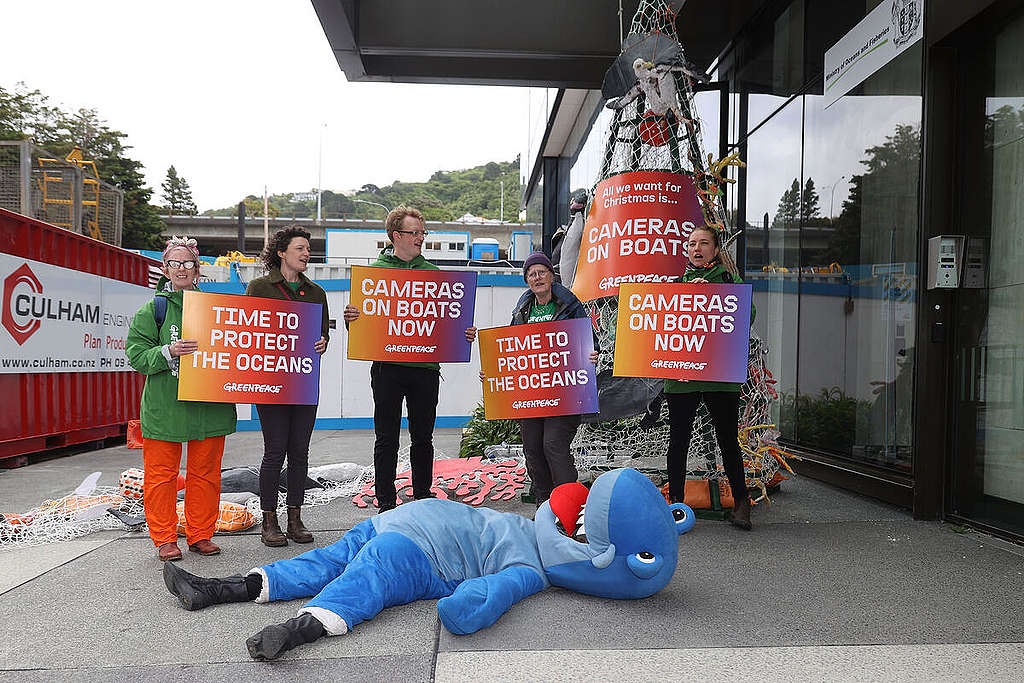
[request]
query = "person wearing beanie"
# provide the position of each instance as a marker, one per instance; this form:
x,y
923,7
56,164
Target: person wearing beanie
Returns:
x,y
546,440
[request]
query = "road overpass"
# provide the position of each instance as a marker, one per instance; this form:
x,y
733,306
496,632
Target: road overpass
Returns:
x,y
219,234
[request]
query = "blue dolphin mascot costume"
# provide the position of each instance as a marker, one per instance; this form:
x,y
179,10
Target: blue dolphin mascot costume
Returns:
x,y
617,540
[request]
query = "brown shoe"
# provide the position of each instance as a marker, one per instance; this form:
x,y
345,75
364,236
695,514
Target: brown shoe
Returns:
x,y
271,534
740,515
297,531
169,552
204,547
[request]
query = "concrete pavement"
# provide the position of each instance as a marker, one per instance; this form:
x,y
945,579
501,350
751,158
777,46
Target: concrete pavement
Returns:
x,y
828,586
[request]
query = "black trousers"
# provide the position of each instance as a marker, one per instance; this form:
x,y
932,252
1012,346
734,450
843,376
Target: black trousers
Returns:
x,y
286,432
546,442
418,387
724,408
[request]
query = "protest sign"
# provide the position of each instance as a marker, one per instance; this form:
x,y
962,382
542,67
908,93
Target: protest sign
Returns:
x,y
636,231
251,350
683,331
411,315
538,369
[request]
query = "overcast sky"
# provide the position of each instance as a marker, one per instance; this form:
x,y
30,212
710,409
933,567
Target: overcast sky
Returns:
x,y
186,82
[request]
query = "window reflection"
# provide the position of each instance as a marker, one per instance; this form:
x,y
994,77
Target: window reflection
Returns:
x,y
773,160
859,277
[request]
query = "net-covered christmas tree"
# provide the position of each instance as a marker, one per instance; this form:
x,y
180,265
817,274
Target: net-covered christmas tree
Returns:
x,y
655,128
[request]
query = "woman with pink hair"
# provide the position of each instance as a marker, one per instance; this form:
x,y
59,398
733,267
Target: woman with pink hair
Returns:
x,y
154,348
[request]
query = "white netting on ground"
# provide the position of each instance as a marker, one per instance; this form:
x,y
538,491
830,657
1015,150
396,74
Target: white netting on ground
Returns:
x,y
103,508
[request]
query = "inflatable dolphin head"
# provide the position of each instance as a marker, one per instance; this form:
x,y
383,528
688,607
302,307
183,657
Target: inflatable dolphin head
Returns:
x,y
619,540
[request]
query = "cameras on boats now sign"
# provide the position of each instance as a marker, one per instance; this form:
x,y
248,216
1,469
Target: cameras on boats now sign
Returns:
x,y
411,315
683,331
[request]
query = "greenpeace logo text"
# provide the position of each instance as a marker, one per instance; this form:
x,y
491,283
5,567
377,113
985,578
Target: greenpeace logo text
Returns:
x,y
539,403
407,348
254,388
678,364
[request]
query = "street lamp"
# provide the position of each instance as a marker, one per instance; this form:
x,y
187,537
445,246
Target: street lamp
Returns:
x,y
833,197
363,201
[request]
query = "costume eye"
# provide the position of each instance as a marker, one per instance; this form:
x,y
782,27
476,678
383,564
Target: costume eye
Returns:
x,y
645,557
683,517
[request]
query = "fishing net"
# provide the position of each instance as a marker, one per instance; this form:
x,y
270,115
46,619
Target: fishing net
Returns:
x,y
656,128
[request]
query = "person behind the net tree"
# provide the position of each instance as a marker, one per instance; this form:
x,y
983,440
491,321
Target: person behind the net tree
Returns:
x,y
392,382
721,398
546,440
287,428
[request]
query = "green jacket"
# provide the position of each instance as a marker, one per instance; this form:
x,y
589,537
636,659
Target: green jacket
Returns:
x,y
387,259
716,273
273,286
162,415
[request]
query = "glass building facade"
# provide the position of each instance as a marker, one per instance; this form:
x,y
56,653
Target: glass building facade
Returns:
x,y
912,395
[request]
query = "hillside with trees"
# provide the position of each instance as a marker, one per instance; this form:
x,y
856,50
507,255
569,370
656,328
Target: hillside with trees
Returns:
x,y
448,195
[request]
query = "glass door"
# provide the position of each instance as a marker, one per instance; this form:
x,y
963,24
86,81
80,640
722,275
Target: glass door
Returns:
x,y
988,365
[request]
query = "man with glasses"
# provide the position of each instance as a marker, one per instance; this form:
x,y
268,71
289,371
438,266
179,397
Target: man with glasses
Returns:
x,y
416,383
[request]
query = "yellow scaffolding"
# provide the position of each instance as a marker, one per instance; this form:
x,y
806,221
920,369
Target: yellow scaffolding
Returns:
x,y
90,202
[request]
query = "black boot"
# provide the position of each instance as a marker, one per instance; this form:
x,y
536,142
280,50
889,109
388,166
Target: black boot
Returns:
x,y
195,592
297,531
271,534
273,640
740,515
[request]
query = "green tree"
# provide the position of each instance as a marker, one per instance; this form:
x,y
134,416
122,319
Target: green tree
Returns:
x,y
177,195
787,214
254,208
809,202
28,114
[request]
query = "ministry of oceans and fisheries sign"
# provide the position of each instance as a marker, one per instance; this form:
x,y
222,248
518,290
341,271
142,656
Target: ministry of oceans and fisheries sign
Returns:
x,y
887,30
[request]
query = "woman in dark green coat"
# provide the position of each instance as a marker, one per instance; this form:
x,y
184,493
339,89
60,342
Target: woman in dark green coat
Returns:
x,y
287,428
721,398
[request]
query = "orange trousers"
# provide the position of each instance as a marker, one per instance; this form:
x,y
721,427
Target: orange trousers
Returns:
x,y
161,461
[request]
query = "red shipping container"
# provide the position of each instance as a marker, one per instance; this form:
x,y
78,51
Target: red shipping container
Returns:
x,y
50,410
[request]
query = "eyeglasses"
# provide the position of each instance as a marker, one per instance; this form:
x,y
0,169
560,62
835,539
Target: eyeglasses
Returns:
x,y
187,265
414,233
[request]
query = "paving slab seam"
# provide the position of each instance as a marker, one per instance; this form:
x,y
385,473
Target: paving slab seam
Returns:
x,y
437,647
62,564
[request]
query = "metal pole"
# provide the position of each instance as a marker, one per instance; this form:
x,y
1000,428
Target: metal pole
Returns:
x,y
764,248
266,220
502,201
320,172
241,227
25,147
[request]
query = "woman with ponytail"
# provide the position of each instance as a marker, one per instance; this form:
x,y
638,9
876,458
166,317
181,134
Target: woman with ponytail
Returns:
x,y
721,398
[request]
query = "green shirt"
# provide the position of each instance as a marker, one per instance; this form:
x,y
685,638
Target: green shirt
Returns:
x,y
542,313
387,259
163,416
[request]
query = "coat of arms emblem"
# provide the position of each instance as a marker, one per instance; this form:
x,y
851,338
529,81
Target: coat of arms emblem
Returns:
x,y
906,18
